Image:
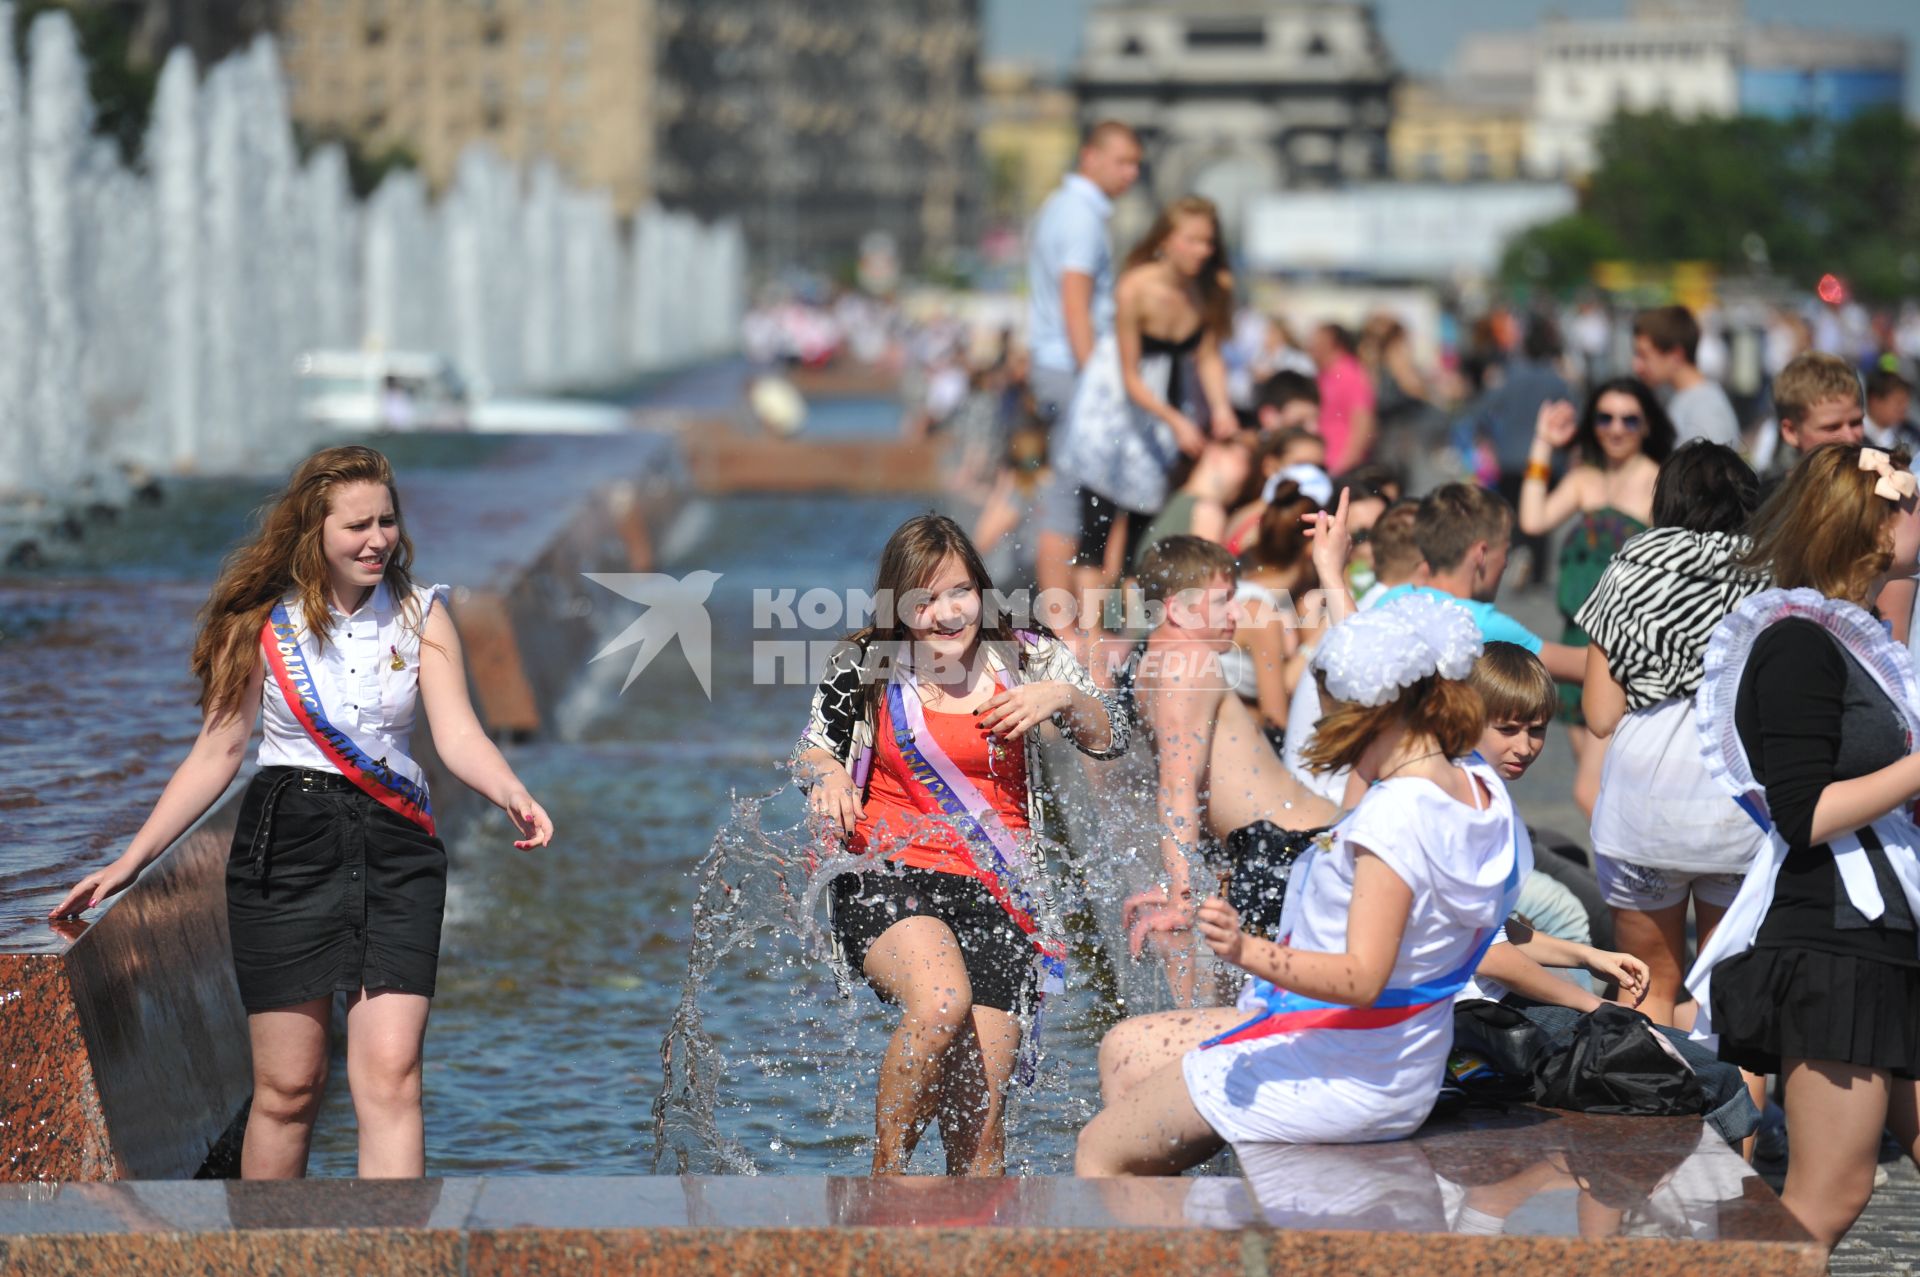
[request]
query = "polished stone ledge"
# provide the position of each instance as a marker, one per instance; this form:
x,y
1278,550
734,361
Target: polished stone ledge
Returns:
x,y
1526,1191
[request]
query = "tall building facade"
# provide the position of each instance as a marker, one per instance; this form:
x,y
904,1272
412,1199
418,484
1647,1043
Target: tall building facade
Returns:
x,y
814,122
1233,98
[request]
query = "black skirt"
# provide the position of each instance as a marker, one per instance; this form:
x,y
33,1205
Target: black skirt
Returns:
x,y
328,891
1805,1004
997,955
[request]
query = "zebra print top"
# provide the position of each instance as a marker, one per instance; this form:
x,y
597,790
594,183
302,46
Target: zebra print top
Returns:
x,y
1657,605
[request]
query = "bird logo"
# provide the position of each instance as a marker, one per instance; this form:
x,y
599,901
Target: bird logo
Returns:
x,y
676,608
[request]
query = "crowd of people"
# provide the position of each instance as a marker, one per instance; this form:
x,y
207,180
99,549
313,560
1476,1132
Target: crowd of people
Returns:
x,y
1329,788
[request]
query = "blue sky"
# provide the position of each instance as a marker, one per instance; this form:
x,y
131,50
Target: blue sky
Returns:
x,y
1422,33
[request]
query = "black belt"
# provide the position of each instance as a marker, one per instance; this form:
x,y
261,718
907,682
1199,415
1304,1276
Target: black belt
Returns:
x,y
280,780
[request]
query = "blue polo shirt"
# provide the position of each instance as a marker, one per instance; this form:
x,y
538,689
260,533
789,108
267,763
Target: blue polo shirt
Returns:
x,y
1070,234
1495,626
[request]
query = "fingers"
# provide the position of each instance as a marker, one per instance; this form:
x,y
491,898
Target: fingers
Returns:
x,y
76,901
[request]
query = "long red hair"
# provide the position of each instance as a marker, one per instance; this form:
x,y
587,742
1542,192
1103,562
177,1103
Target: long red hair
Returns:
x,y
287,556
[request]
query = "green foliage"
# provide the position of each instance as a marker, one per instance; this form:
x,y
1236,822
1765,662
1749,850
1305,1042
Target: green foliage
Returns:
x,y
1749,195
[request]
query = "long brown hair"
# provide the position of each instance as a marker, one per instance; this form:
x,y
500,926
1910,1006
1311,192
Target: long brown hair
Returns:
x,y
1215,280
1448,711
911,556
1824,528
287,555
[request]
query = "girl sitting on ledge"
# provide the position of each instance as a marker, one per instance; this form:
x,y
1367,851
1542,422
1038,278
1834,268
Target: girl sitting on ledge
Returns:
x,y
1352,1012
336,882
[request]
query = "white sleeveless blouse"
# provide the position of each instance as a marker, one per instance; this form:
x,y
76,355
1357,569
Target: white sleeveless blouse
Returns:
x,y
356,678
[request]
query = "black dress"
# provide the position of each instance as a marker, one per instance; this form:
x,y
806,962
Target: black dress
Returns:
x,y
1821,981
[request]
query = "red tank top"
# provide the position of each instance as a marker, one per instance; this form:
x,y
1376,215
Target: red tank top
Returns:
x,y
894,819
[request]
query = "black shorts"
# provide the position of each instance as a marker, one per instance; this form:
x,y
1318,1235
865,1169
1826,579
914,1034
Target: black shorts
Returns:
x,y
328,891
1261,855
1097,517
997,954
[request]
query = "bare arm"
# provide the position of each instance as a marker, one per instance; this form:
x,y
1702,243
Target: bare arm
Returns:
x,y
1623,969
999,518
1566,663
1896,604
1363,425
1356,978
1847,805
1527,977
1542,511
1602,700
1212,370
464,746
1184,724
209,767
1076,308
1210,521
1126,335
1267,648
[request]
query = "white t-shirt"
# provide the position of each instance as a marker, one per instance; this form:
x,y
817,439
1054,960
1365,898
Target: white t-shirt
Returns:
x,y
1704,412
1325,1085
1658,806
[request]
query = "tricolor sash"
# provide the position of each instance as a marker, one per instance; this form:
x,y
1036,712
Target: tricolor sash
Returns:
x,y
942,787
394,783
1289,1012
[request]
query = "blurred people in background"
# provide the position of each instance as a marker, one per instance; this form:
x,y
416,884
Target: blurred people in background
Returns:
x,y
1004,533
1069,307
1620,441
1400,391
1200,505
1347,418
1666,343
1816,400
1889,400
1286,400
1507,414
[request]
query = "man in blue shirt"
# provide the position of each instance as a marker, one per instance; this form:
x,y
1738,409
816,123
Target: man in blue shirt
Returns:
x,y
1069,307
1465,533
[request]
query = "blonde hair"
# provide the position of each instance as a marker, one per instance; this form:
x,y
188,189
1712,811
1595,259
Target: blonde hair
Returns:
x,y
1824,528
1810,380
1215,279
1173,565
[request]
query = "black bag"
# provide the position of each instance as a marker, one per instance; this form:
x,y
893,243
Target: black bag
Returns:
x,y
1617,1063
1496,1050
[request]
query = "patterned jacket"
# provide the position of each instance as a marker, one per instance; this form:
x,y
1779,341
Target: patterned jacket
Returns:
x,y
841,720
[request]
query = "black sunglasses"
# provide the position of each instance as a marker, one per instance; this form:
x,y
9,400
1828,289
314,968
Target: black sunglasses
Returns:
x,y
1627,421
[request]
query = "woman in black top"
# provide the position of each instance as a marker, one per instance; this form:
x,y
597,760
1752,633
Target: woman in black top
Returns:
x,y
1818,978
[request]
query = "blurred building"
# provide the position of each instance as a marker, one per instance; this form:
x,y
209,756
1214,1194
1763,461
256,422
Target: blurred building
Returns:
x,y
1471,124
1791,71
814,122
1233,98
1696,58
1029,136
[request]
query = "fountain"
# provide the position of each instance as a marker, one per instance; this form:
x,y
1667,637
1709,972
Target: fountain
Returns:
x,y
150,314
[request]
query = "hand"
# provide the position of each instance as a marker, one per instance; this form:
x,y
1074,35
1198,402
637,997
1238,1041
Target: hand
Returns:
x,y
1154,910
1017,711
1557,423
529,818
1226,425
1332,542
834,801
94,888
1187,435
1220,928
1625,970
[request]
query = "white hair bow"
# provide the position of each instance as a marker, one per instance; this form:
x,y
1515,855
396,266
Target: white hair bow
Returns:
x,y
1894,483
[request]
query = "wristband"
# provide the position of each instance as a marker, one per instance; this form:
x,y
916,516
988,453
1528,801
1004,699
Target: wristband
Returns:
x,y
1540,470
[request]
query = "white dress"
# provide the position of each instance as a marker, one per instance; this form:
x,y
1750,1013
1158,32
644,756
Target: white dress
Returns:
x,y
1342,1085
1658,806
1111,445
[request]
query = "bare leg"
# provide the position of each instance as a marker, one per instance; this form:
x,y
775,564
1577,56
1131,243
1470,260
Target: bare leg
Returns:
x,y
1835,1114
1154,1129
1658,939
289,1076
916,964
973,1093
1135,1049
386,1032
1904,1116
